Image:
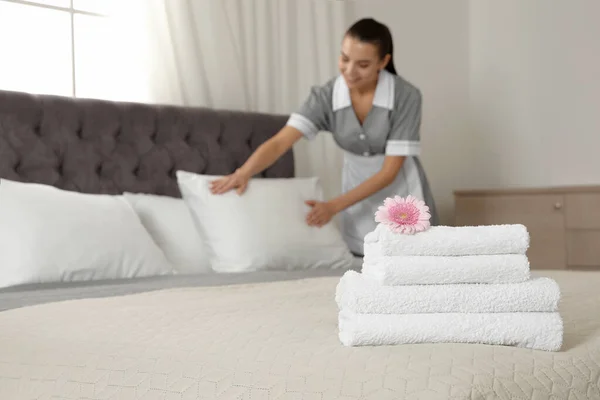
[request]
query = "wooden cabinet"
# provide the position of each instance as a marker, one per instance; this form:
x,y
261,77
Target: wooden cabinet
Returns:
x,y
564,223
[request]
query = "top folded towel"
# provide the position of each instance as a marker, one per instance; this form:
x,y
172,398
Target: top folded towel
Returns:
x,y
453,241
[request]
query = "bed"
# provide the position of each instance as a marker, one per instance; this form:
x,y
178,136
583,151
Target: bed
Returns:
x,y
256,335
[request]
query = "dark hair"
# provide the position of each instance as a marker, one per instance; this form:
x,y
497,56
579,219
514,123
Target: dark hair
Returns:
x,y
371,31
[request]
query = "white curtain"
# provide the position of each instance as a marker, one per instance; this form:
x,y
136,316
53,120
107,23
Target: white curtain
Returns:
x,y
251,55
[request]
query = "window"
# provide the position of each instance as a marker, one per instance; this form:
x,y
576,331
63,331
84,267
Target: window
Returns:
x,y
81,48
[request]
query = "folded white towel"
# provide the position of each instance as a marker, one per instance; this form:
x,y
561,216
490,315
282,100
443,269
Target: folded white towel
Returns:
x,y
540,331
415,270
452,241
360,294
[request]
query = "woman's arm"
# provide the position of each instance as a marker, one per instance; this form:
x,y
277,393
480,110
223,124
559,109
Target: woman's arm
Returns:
x,y
262,158
270,151
321,213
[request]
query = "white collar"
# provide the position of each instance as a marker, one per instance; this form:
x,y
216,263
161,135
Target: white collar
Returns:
x,y
384,93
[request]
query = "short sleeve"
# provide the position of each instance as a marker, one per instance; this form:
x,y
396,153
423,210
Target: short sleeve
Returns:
x,y
312,116
405,138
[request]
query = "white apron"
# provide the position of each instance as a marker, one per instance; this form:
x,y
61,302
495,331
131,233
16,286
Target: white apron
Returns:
x,y
359,219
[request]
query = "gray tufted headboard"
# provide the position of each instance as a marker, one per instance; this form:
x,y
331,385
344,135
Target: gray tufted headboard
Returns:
x,y
96,146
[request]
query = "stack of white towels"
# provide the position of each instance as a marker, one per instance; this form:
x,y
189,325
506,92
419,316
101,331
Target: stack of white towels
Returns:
x,y
449,285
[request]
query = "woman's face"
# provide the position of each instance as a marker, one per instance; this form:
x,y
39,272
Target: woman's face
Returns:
x,y
359,63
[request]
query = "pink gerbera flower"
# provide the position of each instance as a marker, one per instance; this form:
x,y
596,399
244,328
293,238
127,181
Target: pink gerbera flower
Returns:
x,y
402,215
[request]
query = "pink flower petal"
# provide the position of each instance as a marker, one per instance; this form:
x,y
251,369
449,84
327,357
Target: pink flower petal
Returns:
x,y
404,215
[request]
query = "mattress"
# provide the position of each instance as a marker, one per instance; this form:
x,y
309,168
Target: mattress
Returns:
x,y
32,294
273,339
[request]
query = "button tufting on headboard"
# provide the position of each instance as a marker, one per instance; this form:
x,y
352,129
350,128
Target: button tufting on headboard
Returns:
x,y
108,147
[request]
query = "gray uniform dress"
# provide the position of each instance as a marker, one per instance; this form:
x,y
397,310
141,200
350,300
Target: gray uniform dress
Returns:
x,y
391,128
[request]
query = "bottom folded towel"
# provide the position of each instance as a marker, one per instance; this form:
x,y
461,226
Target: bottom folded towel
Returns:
x,y
533,330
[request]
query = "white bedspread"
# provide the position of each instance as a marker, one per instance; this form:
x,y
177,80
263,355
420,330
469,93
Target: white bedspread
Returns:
x,y
275,340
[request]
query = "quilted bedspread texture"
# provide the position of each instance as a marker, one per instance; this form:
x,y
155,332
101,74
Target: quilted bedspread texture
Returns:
x,y
275,340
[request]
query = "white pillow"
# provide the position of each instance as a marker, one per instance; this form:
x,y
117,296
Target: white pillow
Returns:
x,y
264,228
170,224
51,235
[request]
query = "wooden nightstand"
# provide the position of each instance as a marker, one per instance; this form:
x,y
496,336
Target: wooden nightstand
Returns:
x,y
564,222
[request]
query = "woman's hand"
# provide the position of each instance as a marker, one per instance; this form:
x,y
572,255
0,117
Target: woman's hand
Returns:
x,y
237,181
320,214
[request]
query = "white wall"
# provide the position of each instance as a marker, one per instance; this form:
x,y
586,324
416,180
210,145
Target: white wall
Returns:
x,y
511,89
431,50
535,93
